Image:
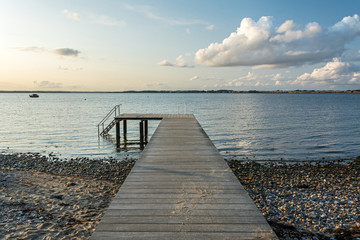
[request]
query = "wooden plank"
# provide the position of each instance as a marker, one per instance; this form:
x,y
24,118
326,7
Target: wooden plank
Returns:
x,y
182,235
180,219
179,196
182,205
136,200
181,188
193,227
248,213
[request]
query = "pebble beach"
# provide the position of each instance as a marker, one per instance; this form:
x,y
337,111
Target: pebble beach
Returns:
x,y
46,198
308,200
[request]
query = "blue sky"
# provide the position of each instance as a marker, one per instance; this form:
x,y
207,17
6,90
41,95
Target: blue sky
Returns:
x,y
179,45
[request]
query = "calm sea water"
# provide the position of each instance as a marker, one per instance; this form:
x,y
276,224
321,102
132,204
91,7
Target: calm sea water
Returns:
x,y
242,126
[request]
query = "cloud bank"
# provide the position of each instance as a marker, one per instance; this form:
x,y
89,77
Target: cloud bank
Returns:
x,y
260,44
335,72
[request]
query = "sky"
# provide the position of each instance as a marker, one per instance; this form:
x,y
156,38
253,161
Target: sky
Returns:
x,y
114,45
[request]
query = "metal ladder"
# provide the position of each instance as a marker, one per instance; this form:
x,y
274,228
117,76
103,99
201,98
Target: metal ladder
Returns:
x,y
102,130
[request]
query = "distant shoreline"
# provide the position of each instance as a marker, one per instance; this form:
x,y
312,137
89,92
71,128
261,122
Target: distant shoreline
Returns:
x,y
193,91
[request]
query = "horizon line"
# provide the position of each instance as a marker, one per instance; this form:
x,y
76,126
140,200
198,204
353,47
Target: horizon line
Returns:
x,y
188,91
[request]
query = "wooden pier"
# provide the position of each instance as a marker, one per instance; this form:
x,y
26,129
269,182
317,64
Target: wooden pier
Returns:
x,y
181,188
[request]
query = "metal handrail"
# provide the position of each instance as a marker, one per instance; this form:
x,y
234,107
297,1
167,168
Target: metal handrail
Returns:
x,y
115,109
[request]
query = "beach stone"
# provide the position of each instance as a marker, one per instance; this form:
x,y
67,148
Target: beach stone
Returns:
x,y
60,197
313,198
318,200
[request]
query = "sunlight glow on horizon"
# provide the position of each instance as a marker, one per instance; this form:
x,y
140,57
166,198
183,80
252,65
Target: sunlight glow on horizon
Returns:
x,y
161,45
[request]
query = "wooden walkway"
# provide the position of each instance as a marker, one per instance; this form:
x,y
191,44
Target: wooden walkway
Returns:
x,y
181,188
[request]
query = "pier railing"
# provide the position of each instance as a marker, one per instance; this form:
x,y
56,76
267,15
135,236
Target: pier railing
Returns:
x,y
102,130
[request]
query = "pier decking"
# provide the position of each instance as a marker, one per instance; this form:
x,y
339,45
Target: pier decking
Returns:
x,y
181,188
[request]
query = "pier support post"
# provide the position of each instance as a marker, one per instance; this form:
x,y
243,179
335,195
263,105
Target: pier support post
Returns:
x,y
141,124
146,130
118,134
125,129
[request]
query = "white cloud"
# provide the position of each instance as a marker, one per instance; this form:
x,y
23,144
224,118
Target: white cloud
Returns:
x,y
210,27
263,45
290,35
61,68
179,62
149,12
276,77
71,15
47,85
296,53
286,26
347,27
98,19
247,80
335,72
165,63
250,76
34,49
108,21
194,78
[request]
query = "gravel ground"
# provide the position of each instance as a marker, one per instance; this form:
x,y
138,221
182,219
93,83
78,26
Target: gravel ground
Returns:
x,y
46,198
103,169
319,200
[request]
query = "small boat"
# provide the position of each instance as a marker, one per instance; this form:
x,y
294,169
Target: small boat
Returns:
x,y
34,95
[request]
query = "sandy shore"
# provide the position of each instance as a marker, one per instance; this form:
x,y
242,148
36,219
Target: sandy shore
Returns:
x,y
37,205
66,204
44,198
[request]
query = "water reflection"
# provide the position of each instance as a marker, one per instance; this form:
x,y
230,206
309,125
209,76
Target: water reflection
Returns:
x,y
261,126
